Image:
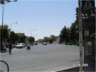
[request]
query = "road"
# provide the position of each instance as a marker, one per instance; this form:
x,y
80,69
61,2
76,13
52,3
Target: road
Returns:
x,y
42,58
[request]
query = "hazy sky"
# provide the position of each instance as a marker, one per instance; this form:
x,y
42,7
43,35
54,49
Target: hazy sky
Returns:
x,y
40,18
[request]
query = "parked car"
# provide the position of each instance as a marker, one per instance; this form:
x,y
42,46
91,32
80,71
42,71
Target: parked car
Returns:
x,y
20,45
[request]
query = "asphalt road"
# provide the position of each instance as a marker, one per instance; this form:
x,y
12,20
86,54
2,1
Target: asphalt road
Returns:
x,y
42,58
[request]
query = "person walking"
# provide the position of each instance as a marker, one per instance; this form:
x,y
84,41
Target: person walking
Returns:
x,y
10,48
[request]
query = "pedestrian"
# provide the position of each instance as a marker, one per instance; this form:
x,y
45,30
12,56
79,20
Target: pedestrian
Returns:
x,y
10,48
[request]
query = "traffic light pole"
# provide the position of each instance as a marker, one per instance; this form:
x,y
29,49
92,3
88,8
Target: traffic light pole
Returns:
x,y
81,39
3,2
95,39
2,15
2,27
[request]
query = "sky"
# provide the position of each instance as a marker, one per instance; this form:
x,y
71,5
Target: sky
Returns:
x,y
40,18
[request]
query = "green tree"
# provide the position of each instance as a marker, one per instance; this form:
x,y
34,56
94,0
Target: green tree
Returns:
x,y
21,38
13,38
4,33
65,35
31,39
52,38
46,39
70,35
74,33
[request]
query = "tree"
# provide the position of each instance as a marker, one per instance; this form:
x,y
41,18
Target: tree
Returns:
x,y
74,33
21,38
13,38
31,39
70,35
64,35
45,39
52,38
4,33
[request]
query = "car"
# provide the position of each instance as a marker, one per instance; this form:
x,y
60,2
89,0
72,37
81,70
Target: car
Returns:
x,y
44,43
35,43
20,45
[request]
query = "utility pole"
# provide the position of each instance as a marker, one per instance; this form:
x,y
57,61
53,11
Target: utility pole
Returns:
x,y
81,38
95,39
3,2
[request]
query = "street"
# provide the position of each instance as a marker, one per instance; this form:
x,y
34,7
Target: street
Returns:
x,y
42,58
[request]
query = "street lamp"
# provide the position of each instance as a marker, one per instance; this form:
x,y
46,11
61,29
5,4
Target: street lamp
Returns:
x,y
3,2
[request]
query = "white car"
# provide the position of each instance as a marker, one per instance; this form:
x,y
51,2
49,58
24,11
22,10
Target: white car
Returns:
x,y
20,45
